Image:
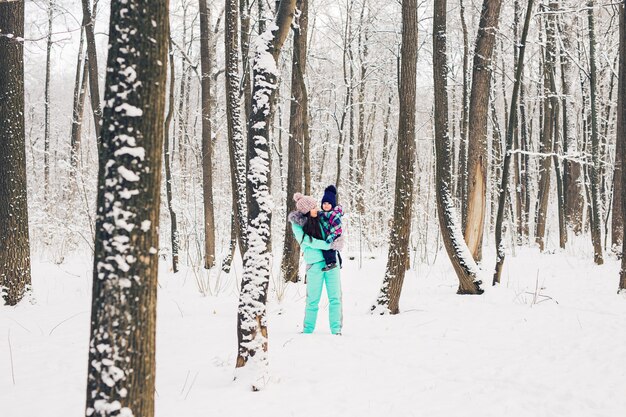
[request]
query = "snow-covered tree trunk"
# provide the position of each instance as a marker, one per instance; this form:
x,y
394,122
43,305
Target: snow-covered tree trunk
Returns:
x,y
462,173
397,260
80,88
504,180
236,148
458,252
621,122
207,145
121,367
298,134
14,239
477,134
46,135
596,224
251,320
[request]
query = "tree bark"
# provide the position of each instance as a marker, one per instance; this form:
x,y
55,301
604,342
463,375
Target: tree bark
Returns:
x,y
121,365
46,136
621,123
207,145
236,148
462,185
80,87
251,320
477,134
596,231
92,63
298,135
550,102
14,239
458,252
167,160
504,181
397,260
617,223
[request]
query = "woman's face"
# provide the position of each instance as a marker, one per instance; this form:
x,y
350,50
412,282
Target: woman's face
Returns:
x,y
313,213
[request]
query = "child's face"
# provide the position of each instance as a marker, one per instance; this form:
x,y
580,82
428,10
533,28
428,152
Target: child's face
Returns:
x,y
326,206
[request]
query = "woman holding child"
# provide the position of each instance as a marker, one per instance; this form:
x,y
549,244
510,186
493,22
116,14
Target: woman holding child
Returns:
x,y
319,235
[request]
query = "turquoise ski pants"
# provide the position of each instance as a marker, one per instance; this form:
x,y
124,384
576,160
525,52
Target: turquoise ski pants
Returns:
x,y
316,278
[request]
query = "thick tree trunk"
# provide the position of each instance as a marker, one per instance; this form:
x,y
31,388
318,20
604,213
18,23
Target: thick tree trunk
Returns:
x,y
251,320
458,252
14,241
477,134
504,181
397,260
298,135
167,161
596,229
207,145
121,365
236,148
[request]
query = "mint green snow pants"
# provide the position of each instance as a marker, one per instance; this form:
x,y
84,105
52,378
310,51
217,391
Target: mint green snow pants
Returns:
x,y
316,278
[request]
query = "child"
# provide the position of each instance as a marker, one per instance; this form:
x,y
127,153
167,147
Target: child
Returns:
x,y
330,217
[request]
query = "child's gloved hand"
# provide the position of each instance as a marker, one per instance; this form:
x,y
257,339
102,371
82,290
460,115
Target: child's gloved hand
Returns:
x,y
338,244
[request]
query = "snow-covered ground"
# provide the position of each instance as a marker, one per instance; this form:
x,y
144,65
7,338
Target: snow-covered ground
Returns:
x,y
558,350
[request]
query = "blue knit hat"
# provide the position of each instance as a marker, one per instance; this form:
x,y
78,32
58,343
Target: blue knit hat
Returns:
x,y
330,196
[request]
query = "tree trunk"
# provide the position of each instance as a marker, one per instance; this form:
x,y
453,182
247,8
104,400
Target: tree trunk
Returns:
x,y
462,186
14,241
168,160
121,366
477,134
596,231
298,135
617,224
361,146
573,203
46,136
458,252
80,87
621,123
550,102
251,320
504,181
92,63
397,260
236,148
207,145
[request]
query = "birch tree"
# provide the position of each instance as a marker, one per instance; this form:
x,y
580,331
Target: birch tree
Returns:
x,y
121,367
621,122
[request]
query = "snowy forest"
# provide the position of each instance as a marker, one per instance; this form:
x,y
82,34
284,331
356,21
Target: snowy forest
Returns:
x,y
186,184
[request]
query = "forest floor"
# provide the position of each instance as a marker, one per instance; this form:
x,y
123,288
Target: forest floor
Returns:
x,y
550,341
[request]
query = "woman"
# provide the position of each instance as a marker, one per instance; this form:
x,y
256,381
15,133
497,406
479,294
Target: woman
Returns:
x,y
308,232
